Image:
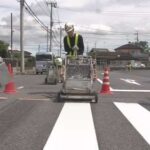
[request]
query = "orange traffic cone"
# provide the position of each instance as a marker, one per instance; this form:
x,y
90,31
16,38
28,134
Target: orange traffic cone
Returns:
x,y
10,87
106,85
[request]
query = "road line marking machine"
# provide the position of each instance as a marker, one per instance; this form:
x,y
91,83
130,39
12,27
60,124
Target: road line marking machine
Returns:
x,y
79,74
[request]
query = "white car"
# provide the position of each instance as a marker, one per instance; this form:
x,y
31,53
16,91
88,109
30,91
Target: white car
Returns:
x,y
136,65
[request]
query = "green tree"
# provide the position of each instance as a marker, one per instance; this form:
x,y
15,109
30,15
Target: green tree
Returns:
x,y
144,45
3,49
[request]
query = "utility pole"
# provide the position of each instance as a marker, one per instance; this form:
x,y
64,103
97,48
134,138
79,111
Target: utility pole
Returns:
x,y
137,36
47,39
39,47
11,44
95,44
60,40
21,34
52,4
87,48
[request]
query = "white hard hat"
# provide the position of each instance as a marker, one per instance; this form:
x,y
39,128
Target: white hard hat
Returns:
x,y
69,27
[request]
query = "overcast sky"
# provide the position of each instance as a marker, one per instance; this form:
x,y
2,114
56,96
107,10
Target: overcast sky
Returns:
x,y
103,23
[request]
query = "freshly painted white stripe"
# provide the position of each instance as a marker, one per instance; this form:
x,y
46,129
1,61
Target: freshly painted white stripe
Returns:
x,y
138,116
3,98
126,90
33,99
130,81
100,81
74,129
20,87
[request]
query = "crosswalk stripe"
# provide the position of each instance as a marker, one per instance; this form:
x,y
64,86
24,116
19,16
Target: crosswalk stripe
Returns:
x,y
74,129
138,116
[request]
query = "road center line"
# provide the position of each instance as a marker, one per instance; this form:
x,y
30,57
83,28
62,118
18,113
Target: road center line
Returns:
x,y
74,129
138,116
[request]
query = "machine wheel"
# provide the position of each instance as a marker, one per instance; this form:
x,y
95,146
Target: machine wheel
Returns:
x,y
45,80
55,81
59,99
96,98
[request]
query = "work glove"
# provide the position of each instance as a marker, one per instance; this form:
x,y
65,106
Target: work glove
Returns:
x,y
76,48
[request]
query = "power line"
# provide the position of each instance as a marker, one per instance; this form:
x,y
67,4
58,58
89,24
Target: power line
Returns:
x,y
35,16
42,8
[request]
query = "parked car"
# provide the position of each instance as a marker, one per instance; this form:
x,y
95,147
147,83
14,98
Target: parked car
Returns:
x,y
139,65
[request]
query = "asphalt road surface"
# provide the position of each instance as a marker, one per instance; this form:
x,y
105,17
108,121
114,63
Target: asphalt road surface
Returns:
x,y
32,119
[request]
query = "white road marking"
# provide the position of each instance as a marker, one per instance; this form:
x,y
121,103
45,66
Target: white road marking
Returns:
x,y
33,99
127,90
130,81
123,90
20,87
138,116
99,80
3,98
74,129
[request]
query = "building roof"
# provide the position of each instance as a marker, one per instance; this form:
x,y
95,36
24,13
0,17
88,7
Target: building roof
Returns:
x,y
18,51
129,46
99,50
111,55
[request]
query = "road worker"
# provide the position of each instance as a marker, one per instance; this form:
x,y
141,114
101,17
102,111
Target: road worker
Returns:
x,y
73,42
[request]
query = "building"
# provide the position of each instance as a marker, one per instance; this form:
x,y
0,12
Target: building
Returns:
x,y
15,58
135,51
17,52
120,57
